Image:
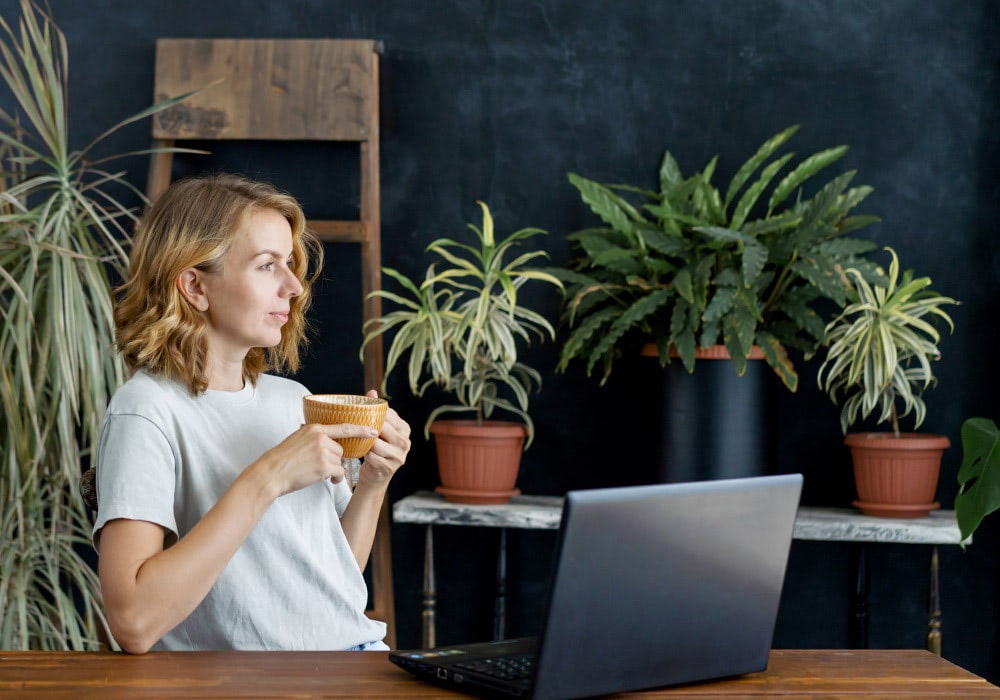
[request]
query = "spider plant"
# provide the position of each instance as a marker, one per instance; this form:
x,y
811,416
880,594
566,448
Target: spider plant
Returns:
x,y
62,237
881,347
461,324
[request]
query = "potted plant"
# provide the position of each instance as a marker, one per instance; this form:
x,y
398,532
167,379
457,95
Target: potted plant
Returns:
x,y
63,228
461,326
687,267
979,474
879,359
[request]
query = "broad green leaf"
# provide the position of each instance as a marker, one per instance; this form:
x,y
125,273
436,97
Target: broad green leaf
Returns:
x,y
979,474
670,172
612,209
753,193
802,172
756,160
777,358
684,286
632,316
721,302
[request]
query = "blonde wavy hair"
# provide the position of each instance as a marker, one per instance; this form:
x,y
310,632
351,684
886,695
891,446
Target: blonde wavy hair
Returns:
x,y
192,225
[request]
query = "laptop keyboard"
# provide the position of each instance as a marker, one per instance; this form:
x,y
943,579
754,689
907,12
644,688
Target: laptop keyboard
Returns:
x,y
508,668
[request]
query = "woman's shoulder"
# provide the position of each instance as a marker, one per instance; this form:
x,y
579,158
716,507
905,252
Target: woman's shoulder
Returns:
x,y
272,384
143,392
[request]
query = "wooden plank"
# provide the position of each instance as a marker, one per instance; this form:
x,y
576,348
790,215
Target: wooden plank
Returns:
x,y
854,673
371,248
383,600
280,89
160,165
330,231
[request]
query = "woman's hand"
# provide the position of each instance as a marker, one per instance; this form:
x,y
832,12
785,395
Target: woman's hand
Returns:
x,y
310,454
389,452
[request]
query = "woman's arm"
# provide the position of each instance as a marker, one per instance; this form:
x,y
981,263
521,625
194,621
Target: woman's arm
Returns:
x,y
360,518
149,590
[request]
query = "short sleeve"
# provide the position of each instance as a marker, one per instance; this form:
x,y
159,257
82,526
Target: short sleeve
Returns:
x,y
135,473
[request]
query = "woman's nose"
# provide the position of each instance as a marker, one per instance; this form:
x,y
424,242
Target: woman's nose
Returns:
x,y
293,286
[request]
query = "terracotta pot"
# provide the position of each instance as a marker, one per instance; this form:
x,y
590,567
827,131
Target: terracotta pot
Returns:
x,y
478,463
896,477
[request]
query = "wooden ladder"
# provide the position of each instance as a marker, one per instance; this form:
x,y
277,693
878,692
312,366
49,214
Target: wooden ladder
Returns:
x,y
289,90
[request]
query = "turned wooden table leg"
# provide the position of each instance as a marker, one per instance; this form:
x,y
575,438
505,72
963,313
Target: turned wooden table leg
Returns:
x,y
859,631
428,633
934,608
500,604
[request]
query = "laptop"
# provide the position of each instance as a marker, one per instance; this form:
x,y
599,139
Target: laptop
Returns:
x,y
653,586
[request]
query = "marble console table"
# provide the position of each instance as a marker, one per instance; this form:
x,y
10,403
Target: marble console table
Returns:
x,y
545,513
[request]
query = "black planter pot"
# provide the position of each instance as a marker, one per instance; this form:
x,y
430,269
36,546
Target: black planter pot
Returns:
x,y
714,422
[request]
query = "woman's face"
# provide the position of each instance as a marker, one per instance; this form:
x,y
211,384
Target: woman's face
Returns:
x,y
250,293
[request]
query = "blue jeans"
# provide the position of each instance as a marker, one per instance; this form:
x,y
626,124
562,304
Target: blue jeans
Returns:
x,y
377,645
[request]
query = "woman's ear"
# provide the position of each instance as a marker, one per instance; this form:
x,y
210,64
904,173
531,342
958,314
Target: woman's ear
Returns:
x,y
189,282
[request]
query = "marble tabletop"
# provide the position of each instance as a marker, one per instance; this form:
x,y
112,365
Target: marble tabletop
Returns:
x,y
528,512
819,524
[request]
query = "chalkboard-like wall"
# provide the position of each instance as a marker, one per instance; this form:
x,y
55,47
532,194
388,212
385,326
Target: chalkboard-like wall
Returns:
x,y
499,100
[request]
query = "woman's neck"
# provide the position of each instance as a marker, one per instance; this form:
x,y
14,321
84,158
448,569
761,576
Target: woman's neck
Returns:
x,y
225,375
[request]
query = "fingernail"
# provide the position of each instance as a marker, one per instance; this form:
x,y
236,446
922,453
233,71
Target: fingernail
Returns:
x,y
372,432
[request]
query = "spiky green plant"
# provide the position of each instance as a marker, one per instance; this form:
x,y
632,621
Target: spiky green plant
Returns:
x,y
62,233
686,266
468,311
881,347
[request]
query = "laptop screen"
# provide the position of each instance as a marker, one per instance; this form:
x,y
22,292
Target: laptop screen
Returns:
x,y
652,586
665,584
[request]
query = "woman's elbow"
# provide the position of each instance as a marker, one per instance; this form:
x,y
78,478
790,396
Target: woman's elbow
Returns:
x,y
135,648
132,633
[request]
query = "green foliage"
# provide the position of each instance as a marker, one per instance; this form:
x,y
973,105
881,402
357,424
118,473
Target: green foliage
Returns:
x,y
979,475
687,266
881,347
461,325
61,233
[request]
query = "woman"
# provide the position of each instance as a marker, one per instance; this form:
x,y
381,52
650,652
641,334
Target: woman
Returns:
x,y
224,522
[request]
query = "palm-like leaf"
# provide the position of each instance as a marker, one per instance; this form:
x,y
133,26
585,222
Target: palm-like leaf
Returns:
x,y
63,233
469,311
881,348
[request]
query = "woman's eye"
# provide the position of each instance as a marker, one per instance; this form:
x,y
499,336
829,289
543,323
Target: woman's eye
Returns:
x,y
267,267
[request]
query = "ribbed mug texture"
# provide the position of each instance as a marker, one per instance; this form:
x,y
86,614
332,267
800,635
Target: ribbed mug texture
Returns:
x,y
332,409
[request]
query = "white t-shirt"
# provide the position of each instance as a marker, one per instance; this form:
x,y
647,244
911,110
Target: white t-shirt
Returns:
x,y
167,457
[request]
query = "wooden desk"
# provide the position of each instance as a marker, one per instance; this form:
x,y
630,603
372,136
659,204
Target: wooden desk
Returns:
x,y
545,513
110,676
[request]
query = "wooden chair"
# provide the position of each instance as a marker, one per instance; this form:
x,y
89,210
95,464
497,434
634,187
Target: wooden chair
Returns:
x,y
289,90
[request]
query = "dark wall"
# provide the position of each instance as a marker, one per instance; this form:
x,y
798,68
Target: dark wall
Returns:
x,y
499,100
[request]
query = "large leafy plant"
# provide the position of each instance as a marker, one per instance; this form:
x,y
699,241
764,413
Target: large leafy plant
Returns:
x,y
881,347
689,266
462,323
62,230
979,475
